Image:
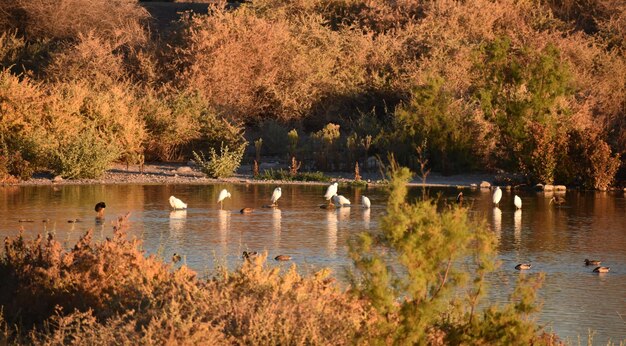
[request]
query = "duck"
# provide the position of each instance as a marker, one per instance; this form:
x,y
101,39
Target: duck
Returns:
x,y
601,270
246,210
557,200
176,258
249,254
523,266
282,258
99,208
592,262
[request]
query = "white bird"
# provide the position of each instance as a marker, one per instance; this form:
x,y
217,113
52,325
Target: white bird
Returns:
x,y
518,202
340,200
177,203
276,195
497,195
223,195
331,191
366,202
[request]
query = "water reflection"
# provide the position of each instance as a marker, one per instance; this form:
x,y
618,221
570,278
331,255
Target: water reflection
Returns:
x,y
331,231
223,225
177,221
366,218
517,228
276,225
497,222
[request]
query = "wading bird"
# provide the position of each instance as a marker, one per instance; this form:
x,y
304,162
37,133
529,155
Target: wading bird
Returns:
x,y
177,203
340,200
330,192
275,196
523,266
497,196
223,195
366,202
518,202
100,210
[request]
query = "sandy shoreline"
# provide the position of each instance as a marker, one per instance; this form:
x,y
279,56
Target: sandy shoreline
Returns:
x,y
172,173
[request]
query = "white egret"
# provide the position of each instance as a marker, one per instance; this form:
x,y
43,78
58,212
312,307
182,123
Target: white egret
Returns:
x,y
99,208
497,196
223,195
366,202
459,198
518,202
177,203
340,200
276,195
331,191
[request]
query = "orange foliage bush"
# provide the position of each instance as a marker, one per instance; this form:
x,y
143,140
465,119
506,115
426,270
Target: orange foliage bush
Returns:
x,y
99,292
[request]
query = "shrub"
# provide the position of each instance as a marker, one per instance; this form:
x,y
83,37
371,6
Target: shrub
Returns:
x,y
222,165
97,292
88,155
412,269
592,160
285,175
326,145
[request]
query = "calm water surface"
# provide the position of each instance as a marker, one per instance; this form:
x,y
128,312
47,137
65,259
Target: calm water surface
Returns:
x,y
555,240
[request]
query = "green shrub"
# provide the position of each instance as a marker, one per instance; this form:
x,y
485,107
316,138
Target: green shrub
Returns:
x,y
326,141
222,165
414,271
88,155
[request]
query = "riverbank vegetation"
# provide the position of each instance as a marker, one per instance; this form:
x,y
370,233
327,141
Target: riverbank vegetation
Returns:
x,y
419,280
530,87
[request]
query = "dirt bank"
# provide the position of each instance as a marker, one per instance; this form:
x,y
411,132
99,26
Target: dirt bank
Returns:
x,y
171,173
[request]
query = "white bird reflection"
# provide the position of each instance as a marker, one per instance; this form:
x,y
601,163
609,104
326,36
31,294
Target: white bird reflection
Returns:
x,y
276,225
497,222
366,218
177,220
344,213
517,227
223,225
331,227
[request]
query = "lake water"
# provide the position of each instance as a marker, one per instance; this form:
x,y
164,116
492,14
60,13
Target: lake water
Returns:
x,y
555,240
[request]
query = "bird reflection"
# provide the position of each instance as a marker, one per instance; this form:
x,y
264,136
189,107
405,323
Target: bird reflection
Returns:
x,y
366,218
517,226
497,222
276,225
177,220
344,214
223,224
331,226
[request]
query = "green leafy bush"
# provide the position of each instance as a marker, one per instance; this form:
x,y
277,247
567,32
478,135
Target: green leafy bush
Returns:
x,y
222,164
414,271
88,155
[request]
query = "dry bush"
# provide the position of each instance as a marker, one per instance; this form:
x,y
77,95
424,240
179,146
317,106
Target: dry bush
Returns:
x,y
116,20
98,292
